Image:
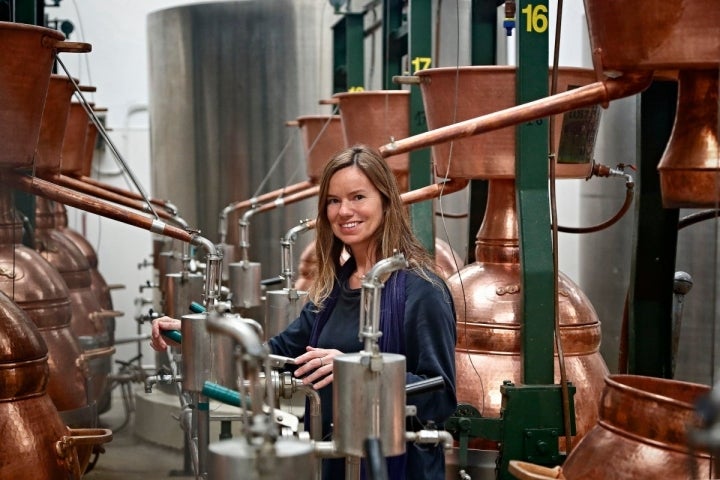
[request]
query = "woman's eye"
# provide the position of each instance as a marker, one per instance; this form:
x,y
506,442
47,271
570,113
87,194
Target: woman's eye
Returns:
x,y
332,201
359,197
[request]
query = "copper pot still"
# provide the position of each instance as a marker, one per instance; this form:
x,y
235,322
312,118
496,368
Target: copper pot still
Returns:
x,y
376,118
39,290
26,59
642,433
690,166
487,296
93,326
37,444
322,137
487,89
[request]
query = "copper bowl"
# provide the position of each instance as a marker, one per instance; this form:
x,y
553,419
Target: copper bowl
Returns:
x,y
322,138
451,95
54,121
376,118
641,432
652,35
26,60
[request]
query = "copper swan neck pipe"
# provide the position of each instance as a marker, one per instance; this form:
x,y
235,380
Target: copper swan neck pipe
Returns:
x,y
91,204
124,192
593,94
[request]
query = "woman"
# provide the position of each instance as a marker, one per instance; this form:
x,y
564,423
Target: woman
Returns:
x,y
360,214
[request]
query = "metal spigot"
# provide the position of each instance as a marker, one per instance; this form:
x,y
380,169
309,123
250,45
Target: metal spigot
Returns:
x,y
162,377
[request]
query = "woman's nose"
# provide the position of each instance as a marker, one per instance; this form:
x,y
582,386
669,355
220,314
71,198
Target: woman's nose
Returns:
x,y
345,209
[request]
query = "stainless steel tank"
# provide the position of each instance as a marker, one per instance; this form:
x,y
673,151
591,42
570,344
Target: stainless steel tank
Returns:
x,y
218,112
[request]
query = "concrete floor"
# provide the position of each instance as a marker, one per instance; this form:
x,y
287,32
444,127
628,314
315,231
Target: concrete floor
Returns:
x,y
129,457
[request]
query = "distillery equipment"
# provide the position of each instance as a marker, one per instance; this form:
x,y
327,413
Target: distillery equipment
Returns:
x,y
42,446
40,291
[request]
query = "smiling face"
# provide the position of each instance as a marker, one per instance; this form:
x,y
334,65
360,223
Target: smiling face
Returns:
x,y
354,209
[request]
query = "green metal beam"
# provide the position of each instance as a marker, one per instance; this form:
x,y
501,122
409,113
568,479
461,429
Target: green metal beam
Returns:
x,y
348,53
538,316
655,245
421,173
483,51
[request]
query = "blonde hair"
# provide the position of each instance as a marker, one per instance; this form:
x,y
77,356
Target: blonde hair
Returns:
x,y
394,233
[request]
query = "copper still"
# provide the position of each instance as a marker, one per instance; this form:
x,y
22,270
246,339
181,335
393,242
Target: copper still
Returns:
x,y
679,36
98,285
37,444
322,137
53,124
690,166
26,58
93,326
377,117
487,301
73,146
487,89
642,431
39,290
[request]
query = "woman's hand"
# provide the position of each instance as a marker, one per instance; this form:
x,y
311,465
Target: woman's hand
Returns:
x,y
158,341
316,366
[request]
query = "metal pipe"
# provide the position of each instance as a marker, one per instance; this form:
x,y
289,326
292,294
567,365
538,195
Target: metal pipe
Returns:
x,y
91,204
431,437
286,258
370,300
593,94
255,201
103,133
165,204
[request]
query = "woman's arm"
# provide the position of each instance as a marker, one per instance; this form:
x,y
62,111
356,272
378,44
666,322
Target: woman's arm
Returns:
x,y
430,337
292,341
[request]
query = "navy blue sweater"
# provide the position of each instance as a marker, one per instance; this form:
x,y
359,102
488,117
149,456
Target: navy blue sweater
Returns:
x,y
429,337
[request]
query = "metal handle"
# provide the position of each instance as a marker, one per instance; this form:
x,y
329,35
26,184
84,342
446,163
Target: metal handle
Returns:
x,y
73,47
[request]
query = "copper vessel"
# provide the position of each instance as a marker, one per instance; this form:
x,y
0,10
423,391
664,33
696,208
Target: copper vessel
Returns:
x,y
690,167
377,117
54,121
37,444
73,148
488,304
487,89
678,34
93,326
322,137
641,433
26,59
91,136
39,290
98,284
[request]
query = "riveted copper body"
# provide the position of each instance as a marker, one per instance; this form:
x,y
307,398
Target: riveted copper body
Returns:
x,y
488,304
322,138
93,326
375,118
641,432
487,89
39,290
690,167
98,285
36,443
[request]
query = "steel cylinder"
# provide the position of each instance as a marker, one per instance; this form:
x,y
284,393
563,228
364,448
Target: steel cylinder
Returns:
x,y
244,284
182,290
214,112
281,308
206,356
369,402
237,460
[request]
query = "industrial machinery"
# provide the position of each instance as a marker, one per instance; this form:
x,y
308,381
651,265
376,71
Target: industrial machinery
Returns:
x,y
532,383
